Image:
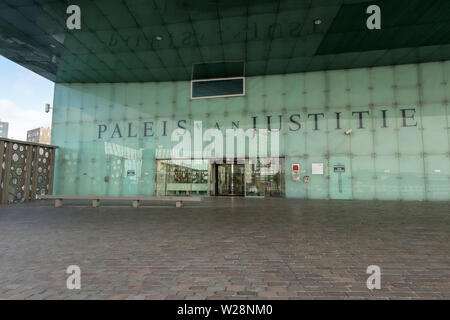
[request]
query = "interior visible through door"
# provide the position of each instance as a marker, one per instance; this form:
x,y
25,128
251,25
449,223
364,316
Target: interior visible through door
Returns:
x,y
230,179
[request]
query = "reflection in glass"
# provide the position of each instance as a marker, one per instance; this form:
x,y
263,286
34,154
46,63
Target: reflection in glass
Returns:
x,y
181,177
264,177
230,180
256,178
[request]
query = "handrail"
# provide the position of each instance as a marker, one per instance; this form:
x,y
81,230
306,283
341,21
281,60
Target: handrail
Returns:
x,y
30,143
25,171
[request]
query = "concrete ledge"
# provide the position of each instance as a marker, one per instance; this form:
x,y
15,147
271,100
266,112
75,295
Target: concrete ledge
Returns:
x,y
140,198
58,203
95,203
136,201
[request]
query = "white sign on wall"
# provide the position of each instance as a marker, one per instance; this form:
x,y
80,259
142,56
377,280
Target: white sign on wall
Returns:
x,y
295,172
317,168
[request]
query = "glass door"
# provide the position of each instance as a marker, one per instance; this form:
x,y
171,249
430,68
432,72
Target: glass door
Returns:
x,y
230,180
238,179
224,180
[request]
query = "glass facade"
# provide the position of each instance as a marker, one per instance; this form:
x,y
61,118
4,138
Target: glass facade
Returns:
x,y
181,177
376,133
258,178
265,177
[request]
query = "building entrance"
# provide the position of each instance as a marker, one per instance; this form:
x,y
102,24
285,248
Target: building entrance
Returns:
x,y
230,179
204,177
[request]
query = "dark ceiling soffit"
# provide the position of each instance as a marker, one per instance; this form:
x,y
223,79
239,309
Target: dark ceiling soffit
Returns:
x,y
336,44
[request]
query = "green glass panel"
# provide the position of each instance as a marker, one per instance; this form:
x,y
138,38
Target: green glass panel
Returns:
x,y
396,118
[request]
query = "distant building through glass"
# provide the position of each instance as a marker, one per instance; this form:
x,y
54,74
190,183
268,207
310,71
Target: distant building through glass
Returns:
x,y
4,129
39,135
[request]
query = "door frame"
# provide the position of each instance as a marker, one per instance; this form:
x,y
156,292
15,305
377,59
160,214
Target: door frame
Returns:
x,y
216,179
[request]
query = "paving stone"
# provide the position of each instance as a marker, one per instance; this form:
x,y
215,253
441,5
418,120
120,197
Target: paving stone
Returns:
x,y
227,248
246,293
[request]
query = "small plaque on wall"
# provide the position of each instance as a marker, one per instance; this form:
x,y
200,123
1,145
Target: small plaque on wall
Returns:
x,y
296,172
317,168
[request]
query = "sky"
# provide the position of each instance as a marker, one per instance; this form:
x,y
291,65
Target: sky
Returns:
x,y
23,95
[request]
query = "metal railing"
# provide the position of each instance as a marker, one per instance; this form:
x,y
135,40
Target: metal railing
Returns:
x,y
26,170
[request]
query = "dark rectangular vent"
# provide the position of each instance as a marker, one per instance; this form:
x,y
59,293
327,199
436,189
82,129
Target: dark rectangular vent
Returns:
x,y
214,88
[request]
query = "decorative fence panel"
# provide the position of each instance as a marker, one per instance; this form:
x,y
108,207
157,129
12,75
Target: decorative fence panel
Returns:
x,y
26,170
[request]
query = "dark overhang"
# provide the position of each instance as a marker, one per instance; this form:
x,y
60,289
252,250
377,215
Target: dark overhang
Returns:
x,y
157,40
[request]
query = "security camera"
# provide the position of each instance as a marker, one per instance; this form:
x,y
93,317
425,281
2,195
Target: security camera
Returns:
x,y
47,108
348,132
55,59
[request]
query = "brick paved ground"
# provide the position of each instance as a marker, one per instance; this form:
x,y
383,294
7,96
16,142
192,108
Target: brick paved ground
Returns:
x,y
227,248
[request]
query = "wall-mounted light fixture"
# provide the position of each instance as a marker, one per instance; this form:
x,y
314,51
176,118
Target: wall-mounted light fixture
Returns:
x,y
47,108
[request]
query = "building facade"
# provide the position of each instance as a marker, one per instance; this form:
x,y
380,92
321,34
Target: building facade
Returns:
x,y
268,98
370,133
39,135
4,129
